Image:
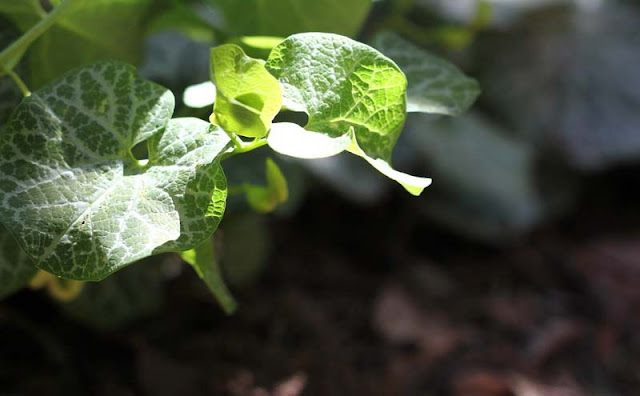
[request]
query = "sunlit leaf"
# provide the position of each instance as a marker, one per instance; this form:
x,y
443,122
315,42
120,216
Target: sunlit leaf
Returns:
x,y
73,195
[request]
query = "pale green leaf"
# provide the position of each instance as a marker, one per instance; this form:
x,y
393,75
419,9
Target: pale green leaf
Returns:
x,y
291,139
285,17
203,260
352,94
248,97
74,197
435,85
16,269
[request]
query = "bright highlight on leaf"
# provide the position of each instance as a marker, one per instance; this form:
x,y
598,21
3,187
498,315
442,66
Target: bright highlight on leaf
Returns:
x,y
291,139
199,95
73,196
435,85
248,97
350,92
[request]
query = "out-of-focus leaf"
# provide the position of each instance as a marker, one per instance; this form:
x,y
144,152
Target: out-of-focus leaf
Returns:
x,y
175,60
129,294
257,46
571,78
246,247
286,17
434,85
204,262
86,32
484,185
16,269
182,19
249,169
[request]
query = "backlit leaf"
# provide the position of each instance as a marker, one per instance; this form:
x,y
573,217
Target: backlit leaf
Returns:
x,y
247,97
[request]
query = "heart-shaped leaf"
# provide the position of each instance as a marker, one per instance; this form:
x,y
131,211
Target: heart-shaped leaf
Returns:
x,y
75,198
346,88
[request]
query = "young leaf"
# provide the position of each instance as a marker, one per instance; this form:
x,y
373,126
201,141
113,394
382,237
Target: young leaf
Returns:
x,y
74,197
285,17
350,91
16,269
203,260
266,199
435,85
247,97
276,182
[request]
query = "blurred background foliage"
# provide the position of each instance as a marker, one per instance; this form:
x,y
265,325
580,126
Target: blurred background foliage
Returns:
x,y
560,108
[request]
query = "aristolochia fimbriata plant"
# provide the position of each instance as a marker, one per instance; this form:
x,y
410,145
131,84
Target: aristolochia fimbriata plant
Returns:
x,y
81,206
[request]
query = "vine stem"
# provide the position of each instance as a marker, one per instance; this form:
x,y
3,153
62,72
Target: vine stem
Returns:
x,y
10,55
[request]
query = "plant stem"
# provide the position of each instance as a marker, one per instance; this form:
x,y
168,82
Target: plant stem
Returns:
x,y
242,147
16,79
12,54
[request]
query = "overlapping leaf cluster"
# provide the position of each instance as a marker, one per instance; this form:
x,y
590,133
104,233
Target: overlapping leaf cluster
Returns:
x,y
80,205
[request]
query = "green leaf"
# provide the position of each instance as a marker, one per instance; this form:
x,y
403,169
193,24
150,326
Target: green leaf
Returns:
x,y
350,91
276,182
266,199
130,294
16,269
203,260
285,17
181,18
74,197
248,97
23,13
435,85
88,31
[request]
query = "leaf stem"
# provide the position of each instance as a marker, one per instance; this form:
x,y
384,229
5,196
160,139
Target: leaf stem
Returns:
x,y
16,79
12,54
241,147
